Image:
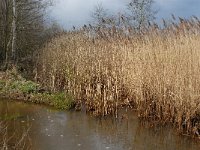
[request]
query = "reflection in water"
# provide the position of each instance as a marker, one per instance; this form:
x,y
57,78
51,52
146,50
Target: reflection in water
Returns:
x,y
60,130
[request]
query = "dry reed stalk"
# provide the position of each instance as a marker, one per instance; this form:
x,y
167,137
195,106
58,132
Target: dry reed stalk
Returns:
x,y
157,72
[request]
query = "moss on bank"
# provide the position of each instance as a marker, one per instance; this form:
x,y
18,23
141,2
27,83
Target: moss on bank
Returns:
x,y
13,86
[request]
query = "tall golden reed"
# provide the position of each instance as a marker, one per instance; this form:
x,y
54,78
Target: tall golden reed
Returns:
x,y
156,71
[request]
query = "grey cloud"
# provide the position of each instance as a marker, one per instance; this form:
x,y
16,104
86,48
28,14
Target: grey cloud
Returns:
x,y
77,12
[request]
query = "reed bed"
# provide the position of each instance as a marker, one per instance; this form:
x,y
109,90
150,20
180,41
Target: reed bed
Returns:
x,y
156,71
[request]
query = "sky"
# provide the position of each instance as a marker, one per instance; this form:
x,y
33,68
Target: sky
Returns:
x,y
70,13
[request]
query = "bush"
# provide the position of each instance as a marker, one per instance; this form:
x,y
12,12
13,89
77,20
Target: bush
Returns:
x,y
24,86
2,84
29,87
57,100
62,101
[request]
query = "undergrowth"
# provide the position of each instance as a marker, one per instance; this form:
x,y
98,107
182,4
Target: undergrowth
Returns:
x,y
13,86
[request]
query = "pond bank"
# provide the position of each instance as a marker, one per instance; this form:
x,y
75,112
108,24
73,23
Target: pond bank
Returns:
x,y
13,86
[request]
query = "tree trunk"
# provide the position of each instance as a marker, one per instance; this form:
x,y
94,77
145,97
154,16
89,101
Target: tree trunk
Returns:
x,y
14,34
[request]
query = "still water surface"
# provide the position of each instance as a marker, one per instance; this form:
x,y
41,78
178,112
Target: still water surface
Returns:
x,y
61,130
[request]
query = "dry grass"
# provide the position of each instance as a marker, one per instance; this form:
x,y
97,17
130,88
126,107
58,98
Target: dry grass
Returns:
x,y
156,71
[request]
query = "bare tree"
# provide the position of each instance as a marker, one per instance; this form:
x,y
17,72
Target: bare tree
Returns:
x,y
103,18
22,28
141,12
5,21
99,15
138,16
14,33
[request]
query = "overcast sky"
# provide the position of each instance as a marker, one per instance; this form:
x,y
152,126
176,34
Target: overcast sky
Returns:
x,y
77,12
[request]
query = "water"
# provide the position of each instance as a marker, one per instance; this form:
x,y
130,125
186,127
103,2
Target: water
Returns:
x,y
60,130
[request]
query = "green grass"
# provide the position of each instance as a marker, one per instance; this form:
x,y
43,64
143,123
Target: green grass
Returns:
x,y
62,101
26,87
22,89
58,100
